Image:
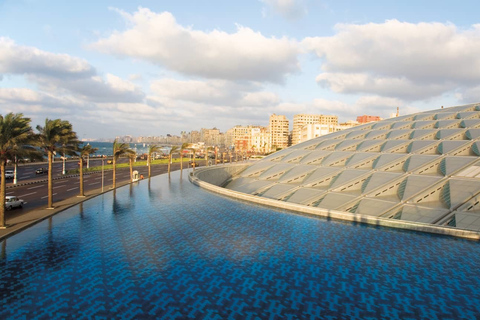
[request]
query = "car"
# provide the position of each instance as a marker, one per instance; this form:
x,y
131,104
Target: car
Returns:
x,y
13,202
8,174
41,170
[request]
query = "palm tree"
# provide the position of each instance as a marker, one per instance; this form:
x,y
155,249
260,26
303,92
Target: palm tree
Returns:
x,y
84,151
172,151
55,135
184,146
151,149
119,149
15,131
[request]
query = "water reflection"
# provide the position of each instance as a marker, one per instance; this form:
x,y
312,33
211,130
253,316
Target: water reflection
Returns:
x,y
166,249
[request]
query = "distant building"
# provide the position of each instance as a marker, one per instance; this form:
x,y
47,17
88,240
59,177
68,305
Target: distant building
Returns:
x,y
366,119
260,140
314,130
300,120
278,128
311,131
211,137
248,138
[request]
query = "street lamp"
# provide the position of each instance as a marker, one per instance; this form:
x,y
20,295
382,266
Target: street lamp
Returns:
x,y
103,157
88,158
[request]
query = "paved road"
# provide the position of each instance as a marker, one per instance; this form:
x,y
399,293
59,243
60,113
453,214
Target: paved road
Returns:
x,y
26,171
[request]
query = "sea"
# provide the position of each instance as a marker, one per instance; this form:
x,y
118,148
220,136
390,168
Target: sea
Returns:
x,y
106,148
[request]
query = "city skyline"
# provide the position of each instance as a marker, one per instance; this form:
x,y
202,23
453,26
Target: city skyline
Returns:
x,y
143,68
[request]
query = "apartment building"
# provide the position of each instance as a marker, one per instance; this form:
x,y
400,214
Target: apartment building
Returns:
x,y
211,137
366,119
300,120
311,131
260,140
278,128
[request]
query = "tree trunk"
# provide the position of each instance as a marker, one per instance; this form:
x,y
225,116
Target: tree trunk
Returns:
x,y
82,194
149,164
169,164
206,159
131,169
2,195
50,180
114,163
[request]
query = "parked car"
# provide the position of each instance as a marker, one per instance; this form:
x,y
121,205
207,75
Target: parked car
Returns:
x,y
41,170
13,202
8,174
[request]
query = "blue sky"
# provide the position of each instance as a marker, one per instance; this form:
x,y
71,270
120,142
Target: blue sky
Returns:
x,y
156,67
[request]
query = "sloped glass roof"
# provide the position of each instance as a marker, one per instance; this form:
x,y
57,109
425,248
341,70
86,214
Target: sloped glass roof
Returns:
x,y
422,167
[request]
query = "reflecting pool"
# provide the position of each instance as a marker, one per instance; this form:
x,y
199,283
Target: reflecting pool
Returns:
x,y
170,250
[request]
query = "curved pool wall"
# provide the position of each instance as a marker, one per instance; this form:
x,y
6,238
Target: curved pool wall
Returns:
x,y
215,177
171,250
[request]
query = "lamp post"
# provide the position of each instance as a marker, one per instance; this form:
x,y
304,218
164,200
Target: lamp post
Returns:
x,y
15,171
103,157
88,158
63,158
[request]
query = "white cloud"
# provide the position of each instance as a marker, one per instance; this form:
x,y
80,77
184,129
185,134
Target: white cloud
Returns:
x,y
387,86
94,89
62,74
214,92
290,9
399,59
16,59
31,102
243,55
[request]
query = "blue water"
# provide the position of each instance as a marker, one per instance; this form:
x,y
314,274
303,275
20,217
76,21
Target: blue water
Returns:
x,y
170,250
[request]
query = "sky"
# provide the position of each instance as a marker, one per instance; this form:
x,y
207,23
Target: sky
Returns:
x,y
157,67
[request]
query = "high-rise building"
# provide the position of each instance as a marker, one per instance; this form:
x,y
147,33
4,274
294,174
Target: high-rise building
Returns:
x,y
300,120
278,128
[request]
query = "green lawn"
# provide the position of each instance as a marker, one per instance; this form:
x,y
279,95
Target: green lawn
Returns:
x,y
127,165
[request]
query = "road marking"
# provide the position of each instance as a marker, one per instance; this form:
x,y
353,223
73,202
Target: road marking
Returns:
x,y
9,192
47,196
59,187
35,187
93,183
72,189
28,194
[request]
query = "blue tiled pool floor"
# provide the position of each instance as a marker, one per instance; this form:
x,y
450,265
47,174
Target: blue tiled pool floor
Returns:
x,y
170,250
